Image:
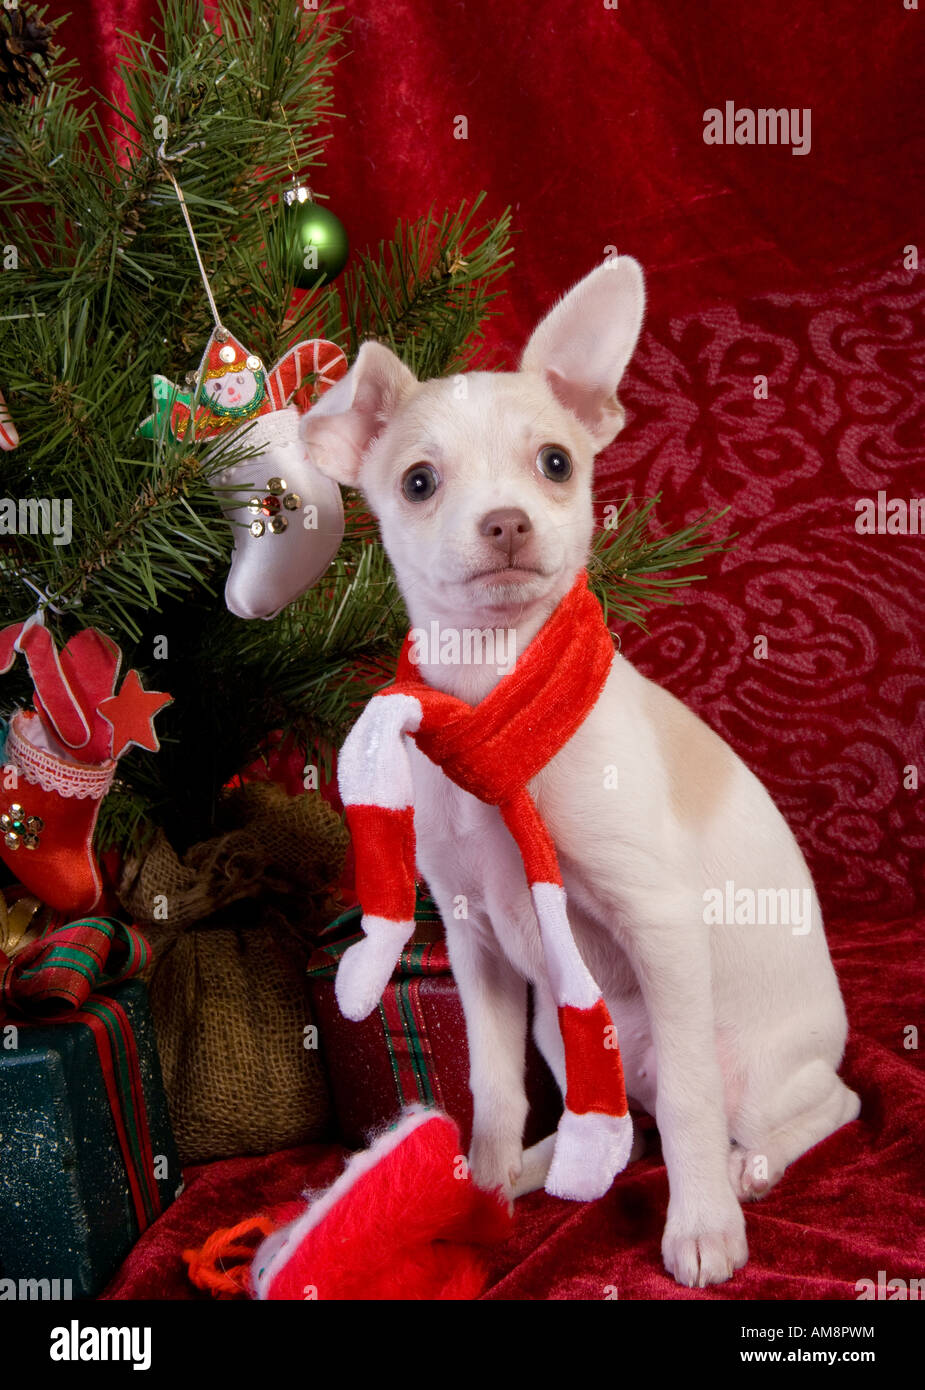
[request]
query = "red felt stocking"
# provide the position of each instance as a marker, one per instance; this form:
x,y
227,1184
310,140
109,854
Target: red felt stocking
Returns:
x,y
48,810
61,758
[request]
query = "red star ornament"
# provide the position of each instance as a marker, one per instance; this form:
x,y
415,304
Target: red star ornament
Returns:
x,y
131,714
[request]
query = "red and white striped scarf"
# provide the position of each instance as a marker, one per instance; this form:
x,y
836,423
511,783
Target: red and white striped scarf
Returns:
x,y
492,750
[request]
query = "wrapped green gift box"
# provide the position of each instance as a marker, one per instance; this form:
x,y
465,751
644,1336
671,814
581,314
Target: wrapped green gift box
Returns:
x,y
69,1210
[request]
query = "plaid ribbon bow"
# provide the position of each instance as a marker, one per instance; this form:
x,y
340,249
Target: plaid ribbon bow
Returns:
x,y
56,978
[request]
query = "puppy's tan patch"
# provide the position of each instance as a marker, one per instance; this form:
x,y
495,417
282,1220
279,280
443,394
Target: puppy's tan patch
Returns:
x,y
700,765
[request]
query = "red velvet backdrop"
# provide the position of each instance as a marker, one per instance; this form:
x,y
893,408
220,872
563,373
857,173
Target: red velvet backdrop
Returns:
x,y
589,122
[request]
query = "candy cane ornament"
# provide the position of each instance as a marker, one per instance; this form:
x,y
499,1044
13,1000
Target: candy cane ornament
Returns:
x,y
9,434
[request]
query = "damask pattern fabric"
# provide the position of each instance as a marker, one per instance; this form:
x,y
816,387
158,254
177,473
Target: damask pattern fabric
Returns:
x,y
832,719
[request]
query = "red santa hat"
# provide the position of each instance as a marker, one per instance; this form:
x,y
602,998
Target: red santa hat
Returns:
x,y
403,1221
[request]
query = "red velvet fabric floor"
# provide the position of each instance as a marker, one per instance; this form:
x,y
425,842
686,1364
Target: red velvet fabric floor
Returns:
x,y
761,264
852,1207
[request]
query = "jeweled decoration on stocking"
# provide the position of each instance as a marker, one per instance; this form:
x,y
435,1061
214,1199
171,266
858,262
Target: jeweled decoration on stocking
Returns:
x,y
18,828
271,506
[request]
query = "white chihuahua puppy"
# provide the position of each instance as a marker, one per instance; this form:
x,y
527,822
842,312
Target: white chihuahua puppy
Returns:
x,y
731,1029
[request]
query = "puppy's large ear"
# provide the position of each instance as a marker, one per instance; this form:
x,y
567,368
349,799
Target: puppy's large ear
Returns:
x,y
584,343
338,430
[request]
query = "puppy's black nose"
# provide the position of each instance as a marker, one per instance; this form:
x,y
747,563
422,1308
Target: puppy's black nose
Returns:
x,y
507,528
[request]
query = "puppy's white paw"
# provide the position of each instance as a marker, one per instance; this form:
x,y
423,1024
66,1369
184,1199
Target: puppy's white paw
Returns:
x,y
751,1173
706,1252
496,1163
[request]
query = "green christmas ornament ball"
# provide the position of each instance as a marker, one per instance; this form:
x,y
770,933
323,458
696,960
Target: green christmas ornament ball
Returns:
x,y
315,238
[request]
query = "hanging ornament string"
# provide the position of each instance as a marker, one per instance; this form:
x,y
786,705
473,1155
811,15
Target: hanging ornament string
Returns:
x,y
162,160
45,601
294,164
291,194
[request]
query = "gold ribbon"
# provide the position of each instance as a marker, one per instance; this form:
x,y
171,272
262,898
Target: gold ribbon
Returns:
x,y
20,922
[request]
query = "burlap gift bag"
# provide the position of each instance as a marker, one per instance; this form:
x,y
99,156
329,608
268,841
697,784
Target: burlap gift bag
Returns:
x,y
232,926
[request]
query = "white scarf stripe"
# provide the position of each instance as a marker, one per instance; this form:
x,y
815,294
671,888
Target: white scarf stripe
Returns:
x,y
569,978
373,768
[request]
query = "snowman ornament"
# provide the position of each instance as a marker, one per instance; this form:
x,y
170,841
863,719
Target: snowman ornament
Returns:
x,y
287,517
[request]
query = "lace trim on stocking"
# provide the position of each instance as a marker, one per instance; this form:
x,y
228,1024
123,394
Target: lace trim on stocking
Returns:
x,y
52,775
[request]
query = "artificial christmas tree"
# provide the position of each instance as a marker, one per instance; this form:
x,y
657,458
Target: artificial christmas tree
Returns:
x,y
89,1158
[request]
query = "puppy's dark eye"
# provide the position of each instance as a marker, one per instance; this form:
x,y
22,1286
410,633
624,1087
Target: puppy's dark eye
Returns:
x,y
554,463
420,482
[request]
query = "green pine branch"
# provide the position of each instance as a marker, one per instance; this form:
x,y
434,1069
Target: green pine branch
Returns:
x,y
631,568
432,276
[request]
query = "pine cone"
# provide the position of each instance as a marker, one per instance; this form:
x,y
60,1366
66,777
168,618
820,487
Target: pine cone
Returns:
x,y
25,48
